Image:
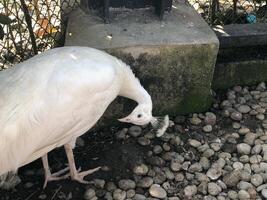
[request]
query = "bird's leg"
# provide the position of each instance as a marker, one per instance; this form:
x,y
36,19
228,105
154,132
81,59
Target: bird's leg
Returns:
x,y
55,176
74,173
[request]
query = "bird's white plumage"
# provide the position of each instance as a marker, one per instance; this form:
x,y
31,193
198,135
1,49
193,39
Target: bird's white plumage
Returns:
x,y
53,98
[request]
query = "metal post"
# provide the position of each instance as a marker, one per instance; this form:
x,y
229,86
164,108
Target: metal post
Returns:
x,y
29,25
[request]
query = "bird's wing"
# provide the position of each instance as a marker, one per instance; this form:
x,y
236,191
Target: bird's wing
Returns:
x,y
37,95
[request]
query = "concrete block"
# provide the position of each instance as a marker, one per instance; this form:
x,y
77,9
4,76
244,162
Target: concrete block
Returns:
x,y
247,72
173,58
241,35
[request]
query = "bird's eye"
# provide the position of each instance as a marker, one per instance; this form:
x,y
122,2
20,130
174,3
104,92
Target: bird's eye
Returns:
x,y
139,115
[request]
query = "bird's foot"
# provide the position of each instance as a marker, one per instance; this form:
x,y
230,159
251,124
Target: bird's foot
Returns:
x,y
56,176
79,176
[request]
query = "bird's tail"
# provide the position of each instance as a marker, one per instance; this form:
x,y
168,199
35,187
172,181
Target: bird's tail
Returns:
x,y
9,180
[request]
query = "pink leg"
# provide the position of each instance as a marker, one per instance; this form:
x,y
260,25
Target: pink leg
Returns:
x,y
74,173
52,177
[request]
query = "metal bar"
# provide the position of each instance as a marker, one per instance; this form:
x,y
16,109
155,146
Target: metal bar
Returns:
x,y
213,11
106,10
29,25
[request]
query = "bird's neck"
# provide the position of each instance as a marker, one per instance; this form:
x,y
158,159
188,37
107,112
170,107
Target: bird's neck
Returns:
x,y
132,89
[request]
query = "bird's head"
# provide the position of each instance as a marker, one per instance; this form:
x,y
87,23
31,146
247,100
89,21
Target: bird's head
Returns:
x,y
141,115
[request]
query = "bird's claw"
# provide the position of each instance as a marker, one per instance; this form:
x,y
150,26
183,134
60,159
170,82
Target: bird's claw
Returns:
x,y
79,177
56,176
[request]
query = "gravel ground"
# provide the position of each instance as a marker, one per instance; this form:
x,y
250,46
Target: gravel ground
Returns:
x,y
220,154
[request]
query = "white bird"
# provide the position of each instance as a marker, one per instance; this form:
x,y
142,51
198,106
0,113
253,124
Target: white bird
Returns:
x,y
53,98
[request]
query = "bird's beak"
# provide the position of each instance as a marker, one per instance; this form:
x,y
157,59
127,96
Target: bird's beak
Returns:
x,y
125,119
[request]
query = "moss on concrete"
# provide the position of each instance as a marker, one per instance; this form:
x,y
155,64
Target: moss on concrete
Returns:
x,y
178,78
229,74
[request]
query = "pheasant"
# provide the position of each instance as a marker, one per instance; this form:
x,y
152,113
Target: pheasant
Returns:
x,y
53,98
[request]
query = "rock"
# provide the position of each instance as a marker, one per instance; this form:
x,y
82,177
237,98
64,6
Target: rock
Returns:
x,y
222,184
243,148
264,156
108,196
194,143
205,163
208,153
203,187
245,176
189,176
156,161
173,198
139,197
42,196
118,194
252,193
135,131
175,165
111,186
169,174
166,147
196,167
244,159
232,195
229,147
130,193
203,148
208,197
261,187
145,182
214,172
216,146
256,179
231,179
214,189
121,135
186,165
180,119
264,193
89,194
140,169
179,177
255,159
99,183
126,184
157,149
243,195
225,155
237,116
175,141
256,149
99,194
157,191
260,116
190,190
244,109
207,128
247,168
210,118
143,141
195,121
160,176
243,131
238,165
28,185
243,185
250,138
236,125
261,87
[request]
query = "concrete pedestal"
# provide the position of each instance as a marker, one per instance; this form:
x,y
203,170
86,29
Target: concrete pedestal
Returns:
x,y
173,58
